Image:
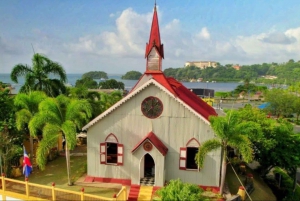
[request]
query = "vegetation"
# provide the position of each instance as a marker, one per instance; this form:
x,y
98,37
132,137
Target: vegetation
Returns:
x,y
59,116
230,131
95,75
107,100
289,190
176,190
111,84
132,75
286,73
277,146
86,82
41,76
10,139
27,106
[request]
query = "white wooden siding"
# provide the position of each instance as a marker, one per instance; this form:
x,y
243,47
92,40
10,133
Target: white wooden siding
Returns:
x,y
175,127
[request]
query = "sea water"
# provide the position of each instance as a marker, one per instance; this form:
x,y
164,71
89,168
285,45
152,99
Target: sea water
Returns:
x,y
72,78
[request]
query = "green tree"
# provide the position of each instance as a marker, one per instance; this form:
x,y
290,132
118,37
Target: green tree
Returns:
x,y
111,84
44,75
231,131
296,107
57,116
280,102
277,146
107,100
132,75
86,82
27,106
93,97
176,190
10,139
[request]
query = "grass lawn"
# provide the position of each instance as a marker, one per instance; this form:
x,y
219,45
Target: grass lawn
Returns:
x,y
56,171
261,192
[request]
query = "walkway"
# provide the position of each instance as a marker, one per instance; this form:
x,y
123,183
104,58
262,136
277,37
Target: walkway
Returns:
x,y
141,193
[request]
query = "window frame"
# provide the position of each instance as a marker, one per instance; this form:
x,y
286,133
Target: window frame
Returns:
x,y
183,151
111,139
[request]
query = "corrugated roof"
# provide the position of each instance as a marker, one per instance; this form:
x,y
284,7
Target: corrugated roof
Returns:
x,y
188,97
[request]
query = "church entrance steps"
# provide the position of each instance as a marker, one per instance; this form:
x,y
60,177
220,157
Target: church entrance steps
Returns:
x,y
134,192
145,193
140,193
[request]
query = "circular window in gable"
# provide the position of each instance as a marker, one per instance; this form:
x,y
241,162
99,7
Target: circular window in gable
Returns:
x,y
152,107
147,146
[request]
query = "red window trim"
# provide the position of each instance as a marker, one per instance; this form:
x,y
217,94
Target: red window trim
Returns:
x,y
103,154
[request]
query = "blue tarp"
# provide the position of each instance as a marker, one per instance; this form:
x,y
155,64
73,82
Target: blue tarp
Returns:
x,y
263,106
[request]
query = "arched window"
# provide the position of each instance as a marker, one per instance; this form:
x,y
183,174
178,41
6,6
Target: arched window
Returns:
x,y
111,151
187,155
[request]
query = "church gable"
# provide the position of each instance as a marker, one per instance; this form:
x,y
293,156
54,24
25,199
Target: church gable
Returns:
x,y
134,93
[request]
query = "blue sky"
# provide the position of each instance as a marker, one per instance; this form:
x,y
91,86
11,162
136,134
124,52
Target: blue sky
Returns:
x,y
110,35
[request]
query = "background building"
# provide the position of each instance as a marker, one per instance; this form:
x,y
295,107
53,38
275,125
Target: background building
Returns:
x,y
201,64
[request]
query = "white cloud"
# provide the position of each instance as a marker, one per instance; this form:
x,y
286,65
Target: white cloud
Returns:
x,y
112,15
122,48
203,34
127,41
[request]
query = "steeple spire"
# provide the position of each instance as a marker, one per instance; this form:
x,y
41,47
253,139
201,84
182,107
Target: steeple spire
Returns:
x,y
154,44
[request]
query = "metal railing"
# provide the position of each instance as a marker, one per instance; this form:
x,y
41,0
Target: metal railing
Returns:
x,y
25,190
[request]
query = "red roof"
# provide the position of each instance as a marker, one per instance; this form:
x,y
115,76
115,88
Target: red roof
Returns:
x,y
155,141
154,39
185,95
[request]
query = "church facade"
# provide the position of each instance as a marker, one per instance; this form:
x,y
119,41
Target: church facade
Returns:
x,y
154,132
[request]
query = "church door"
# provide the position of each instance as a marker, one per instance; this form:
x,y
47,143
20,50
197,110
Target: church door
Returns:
x,y
149,171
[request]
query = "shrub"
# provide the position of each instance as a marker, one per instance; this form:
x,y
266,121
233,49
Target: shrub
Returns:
x,y
176,190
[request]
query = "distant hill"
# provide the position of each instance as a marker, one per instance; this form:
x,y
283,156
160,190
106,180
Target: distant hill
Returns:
x,y
95,75
132,75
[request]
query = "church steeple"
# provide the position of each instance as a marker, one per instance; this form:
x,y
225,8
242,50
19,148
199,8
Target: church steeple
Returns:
x,y
154,49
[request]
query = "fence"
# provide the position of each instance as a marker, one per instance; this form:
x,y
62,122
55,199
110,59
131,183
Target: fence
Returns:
x,y
25,190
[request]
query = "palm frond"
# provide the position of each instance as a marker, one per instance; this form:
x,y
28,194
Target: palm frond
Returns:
x,y
56,69
23,117
243,144
49,140
69,129
205,148
220,126
19,70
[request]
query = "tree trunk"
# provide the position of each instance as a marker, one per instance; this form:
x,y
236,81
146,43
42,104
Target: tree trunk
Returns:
x,y
68,164
223,171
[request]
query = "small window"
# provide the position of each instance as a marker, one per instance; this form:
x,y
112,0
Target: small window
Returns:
x,y
190,157
187,155
111,152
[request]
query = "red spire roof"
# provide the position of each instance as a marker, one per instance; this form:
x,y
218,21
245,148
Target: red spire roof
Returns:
x,y
154,39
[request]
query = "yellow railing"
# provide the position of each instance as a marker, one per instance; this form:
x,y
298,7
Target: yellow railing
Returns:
x,y
29,191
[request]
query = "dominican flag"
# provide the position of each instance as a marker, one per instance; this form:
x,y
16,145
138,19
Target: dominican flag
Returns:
x,y
27,167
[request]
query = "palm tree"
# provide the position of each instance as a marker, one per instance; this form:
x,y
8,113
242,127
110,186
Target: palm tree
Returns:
x,y
38,77
56,116
107,100
28,107
229,131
